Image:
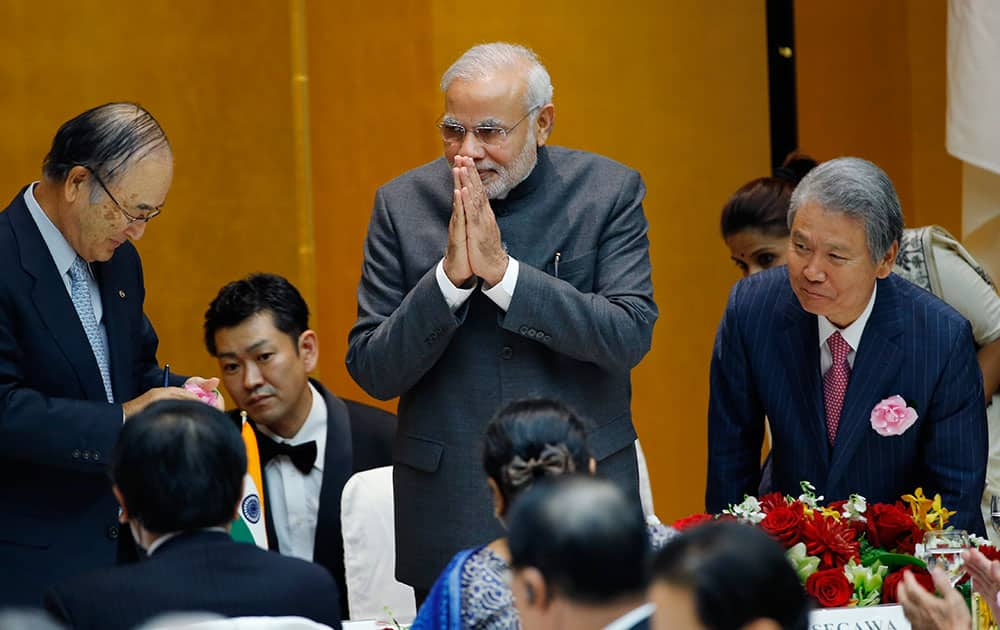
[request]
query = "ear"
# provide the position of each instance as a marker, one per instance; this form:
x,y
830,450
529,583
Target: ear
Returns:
x,y
73,186
123,512
885,265
499,504
309,349
592,466
535,588
239,499
544,123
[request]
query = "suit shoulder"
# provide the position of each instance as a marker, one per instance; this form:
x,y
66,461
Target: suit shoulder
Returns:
x,y
576,160
425,177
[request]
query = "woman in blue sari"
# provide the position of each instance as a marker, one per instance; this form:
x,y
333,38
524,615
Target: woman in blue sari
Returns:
x,y
525,441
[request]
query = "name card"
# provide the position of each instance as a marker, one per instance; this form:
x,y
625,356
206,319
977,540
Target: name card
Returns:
x,y
884,617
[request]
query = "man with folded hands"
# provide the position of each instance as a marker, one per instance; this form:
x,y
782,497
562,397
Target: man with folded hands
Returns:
x,y
507,269
870,384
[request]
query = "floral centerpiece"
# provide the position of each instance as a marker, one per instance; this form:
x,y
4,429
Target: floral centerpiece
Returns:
x,y
847,553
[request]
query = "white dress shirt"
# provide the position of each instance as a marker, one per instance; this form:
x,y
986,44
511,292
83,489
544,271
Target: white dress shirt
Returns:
x,y
851,334
293,498
501,293
631,618
63,255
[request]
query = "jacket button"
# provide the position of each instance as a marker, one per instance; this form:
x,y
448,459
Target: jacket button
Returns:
x,y
86,456
547,338
112,532
97,456
76,453
507,352
523,330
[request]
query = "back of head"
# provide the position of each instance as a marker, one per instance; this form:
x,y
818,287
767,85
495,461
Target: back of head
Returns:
x,y
762,203
585,537
257,293
485,60
531,439
179,466
105,139
736,574
859,189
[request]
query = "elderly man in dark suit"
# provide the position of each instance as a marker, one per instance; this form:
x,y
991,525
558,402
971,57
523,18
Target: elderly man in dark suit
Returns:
x,y
178,473
544,290
310,441
869,383
77,354
578,556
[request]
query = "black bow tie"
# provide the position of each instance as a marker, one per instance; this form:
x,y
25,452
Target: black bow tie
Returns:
x,y
302,455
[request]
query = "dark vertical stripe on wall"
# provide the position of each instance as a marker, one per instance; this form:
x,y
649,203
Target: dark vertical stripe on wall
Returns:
x,y
781,79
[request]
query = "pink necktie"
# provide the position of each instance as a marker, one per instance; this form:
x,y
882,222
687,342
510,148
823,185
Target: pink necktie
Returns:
x,y
835,383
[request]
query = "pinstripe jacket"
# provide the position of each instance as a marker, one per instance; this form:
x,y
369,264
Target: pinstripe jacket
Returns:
x,y
766,362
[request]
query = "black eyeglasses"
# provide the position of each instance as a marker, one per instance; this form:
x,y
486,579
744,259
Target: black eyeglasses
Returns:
x,y
493,135
128,217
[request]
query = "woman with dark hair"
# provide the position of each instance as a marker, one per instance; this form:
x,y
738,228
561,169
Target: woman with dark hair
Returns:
x,y
754,226
754,221
525,441
726,576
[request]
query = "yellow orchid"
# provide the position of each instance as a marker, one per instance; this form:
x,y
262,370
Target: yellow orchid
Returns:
x,y
927,514
826,511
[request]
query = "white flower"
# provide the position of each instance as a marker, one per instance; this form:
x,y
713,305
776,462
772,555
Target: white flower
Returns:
x,y
808,496
977,541
749,511
854,509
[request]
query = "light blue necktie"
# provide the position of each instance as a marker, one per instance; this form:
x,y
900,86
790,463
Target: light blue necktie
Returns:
x,y
80,292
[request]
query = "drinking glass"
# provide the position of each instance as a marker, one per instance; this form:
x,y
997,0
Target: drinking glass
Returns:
x,y
943,549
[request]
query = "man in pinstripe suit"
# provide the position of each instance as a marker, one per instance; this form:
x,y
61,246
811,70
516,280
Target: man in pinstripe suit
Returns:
x,y
817,346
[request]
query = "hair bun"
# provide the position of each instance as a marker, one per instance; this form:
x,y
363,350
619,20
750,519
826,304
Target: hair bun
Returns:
x,y
795,167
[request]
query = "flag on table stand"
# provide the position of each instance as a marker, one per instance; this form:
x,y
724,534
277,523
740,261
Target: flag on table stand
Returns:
x,y
248,526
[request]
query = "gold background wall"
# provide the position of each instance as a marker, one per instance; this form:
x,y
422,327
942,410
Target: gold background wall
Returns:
x,y
677,90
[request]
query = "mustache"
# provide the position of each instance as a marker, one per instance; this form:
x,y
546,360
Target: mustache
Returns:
x,y
264,390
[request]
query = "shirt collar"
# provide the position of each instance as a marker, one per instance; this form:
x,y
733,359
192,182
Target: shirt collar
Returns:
x,y
631,618
851,334
314,428
62,252
156,544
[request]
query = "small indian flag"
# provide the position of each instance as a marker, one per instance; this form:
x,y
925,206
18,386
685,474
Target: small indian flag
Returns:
x,y
248,526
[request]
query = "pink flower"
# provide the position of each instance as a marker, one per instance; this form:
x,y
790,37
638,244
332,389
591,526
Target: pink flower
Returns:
x,y
892,416
207,397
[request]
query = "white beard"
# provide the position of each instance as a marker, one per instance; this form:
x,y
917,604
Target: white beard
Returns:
x,y
507,177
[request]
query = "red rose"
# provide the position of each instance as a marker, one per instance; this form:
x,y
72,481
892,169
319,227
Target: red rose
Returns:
x,y
890,584
772,500
832,541
784,524
891,527
830,588
692,521
991,552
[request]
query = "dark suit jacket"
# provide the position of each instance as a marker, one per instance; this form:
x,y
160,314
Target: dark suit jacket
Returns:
x,y
197,572
766,361
56,426
572,335
358,437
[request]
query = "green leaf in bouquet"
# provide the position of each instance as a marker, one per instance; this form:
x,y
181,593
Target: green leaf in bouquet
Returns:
x,y
804,565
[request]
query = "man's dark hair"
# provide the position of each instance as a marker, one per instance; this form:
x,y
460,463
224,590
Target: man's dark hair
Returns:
x,y
179,466
531,439
257,293
104,139
583,535
736,574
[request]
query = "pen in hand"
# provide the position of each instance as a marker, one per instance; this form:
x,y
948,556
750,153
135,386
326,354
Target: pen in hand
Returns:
x,y
166,375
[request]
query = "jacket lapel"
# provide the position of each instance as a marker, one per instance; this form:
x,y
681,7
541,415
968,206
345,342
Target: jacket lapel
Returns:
x,y
337,469
113,300
55,308
876,368
799,339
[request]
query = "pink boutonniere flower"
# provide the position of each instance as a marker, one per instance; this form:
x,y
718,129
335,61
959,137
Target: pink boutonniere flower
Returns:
x,y
892,417
207,397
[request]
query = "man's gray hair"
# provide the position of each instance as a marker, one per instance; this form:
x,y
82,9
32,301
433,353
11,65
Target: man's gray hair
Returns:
x,y
859,189
484,60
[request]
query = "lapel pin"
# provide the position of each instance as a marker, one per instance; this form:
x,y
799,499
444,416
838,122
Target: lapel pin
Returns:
x,y
121,294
